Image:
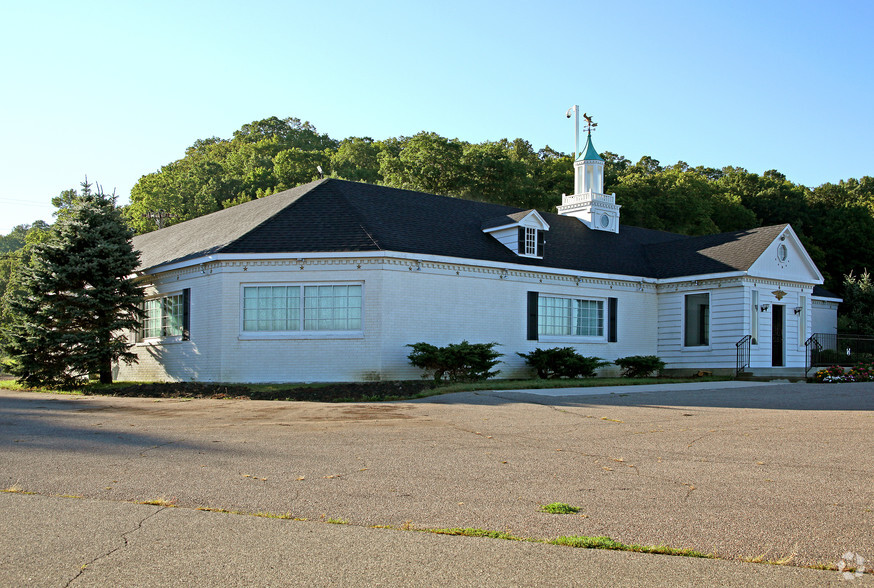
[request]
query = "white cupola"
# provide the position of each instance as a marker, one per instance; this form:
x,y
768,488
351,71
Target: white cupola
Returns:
x,y
588,203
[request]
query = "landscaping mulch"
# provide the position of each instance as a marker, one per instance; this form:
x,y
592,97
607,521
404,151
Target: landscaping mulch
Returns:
x,y
333,392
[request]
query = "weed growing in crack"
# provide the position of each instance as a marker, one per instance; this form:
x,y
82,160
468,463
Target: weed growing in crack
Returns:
x,y
474,532
559,508
608,543
160,502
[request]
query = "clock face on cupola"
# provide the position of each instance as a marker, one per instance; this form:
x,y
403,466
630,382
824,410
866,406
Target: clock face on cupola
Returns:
x,y
589,203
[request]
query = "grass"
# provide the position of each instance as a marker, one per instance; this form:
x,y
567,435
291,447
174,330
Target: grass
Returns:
x,y
584,542
16,489
574,541
473,532
559,508
334,391
160,502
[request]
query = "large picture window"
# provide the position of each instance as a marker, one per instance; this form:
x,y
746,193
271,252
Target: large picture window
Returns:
x,y
302,308
570,317
164,317
697,323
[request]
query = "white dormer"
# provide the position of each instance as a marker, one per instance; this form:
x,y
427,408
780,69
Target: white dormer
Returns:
x,y
524,233
588,203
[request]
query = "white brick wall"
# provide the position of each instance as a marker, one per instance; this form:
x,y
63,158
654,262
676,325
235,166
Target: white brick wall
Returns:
x,y
404,302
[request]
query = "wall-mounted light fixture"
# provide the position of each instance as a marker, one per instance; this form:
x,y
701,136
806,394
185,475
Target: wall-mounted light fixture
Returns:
x,y
797,309
764,307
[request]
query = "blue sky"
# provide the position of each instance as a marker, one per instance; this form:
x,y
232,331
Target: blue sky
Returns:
x,y
115,89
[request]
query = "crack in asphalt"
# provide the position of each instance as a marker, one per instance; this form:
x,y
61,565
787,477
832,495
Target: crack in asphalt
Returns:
x,y
153,447
111,551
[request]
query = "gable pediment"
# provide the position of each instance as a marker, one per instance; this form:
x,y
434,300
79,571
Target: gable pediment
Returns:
x,y
526,218
785,258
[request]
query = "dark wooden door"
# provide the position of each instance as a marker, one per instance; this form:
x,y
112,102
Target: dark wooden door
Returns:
x,y
777,335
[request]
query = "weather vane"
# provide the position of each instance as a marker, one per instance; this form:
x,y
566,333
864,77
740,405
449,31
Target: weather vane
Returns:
x,y
590,126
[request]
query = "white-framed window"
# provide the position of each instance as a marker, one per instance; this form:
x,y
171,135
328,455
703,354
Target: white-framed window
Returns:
x,y
569,317
696,329
530,241
754,317
164,317
301,308
802,320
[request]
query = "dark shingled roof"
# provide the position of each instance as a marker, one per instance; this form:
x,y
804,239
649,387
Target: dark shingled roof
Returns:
x,y
339,216
823,293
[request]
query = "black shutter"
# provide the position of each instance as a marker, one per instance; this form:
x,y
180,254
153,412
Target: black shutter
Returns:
x,y
612,307
186,314
141,329
541,241
532,316
521,248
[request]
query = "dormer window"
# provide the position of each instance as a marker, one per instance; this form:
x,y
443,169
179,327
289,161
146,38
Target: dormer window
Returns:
x,y
531,241
523,232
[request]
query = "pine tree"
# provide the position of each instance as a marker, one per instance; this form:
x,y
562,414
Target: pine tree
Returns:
x,y
76,297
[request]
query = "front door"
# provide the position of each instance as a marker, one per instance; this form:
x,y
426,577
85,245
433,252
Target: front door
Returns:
x,y
777,335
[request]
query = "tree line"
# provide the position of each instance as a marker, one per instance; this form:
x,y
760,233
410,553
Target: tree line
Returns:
x,y
835,221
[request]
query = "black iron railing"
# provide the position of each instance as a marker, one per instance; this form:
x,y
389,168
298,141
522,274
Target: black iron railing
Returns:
x,y
743,354
825,349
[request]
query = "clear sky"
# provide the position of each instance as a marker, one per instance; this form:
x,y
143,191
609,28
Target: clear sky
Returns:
x,y
117,89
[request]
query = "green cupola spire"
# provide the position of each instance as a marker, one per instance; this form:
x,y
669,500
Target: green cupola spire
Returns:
x,y
589,152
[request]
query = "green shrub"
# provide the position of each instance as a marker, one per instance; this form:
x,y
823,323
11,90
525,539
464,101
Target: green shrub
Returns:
x,y
457,362
562,362
640,366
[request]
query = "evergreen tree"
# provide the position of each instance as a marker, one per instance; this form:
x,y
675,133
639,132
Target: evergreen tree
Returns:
x,y
76,297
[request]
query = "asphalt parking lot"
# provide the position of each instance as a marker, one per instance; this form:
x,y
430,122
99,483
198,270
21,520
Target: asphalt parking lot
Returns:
x,y
761,473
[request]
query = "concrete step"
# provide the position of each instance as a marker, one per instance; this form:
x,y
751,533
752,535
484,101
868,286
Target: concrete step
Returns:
x,y
758,374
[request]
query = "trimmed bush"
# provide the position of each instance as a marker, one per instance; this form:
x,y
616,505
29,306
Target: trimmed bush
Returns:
x,y
640,366
562,362
457,362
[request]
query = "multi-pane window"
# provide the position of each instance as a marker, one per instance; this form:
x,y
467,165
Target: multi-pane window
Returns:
x,y
570,317
163,317
697,315
271,308
302,308
530,241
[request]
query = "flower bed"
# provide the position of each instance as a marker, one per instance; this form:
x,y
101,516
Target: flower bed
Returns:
x,y
861,372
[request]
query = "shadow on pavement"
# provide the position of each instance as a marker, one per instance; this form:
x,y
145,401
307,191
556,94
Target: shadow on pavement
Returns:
x,y
49,423
826,397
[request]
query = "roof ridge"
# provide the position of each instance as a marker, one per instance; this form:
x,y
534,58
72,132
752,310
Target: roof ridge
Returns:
x,y
350,202
295,199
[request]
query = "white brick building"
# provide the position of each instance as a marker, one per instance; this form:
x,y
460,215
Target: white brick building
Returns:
x,y
332,280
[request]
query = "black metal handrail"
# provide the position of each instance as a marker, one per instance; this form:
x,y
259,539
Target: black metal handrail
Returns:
x,y
825,349
743,354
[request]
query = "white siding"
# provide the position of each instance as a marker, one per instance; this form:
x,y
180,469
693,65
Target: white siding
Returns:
x,y
824,315
727,325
